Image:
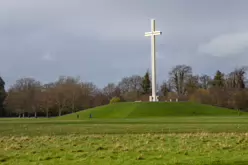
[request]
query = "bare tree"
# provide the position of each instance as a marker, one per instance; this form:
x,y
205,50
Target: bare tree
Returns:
x,y
46,99
111,90
132,83
205,81
99,98
165,88
15,102
28,88
178,77
89,92
192,84
73,90
59,93
131,87
236,79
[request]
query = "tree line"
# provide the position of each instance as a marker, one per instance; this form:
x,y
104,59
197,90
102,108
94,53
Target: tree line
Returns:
x,y
28,97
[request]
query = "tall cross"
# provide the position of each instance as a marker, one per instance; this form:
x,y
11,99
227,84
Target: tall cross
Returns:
x,y
153,35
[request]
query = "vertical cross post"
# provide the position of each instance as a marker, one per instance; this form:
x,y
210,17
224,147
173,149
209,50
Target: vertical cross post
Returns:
x,y
153,34
153,61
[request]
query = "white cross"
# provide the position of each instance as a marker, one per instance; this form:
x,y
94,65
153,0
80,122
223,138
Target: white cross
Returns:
x,y
152,34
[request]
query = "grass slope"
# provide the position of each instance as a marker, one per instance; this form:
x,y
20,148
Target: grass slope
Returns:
x,y
148,109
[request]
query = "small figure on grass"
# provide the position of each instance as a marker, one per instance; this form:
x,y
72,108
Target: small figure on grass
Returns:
x,y
77,116
90,116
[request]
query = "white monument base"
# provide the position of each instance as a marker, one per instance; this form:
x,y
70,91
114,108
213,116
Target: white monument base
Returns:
x,y
151,99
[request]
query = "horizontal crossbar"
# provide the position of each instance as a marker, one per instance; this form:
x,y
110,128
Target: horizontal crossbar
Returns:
x,y
155,33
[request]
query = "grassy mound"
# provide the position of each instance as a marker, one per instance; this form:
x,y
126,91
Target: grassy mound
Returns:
x,y
149,109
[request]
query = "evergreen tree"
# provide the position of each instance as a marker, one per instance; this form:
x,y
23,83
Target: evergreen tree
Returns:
x,y
2,96
219,80
146,83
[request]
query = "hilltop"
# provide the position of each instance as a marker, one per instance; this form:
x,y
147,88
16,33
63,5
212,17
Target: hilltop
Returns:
x,y
152,109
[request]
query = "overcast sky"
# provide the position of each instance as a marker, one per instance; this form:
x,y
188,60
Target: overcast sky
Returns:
x,y
103,40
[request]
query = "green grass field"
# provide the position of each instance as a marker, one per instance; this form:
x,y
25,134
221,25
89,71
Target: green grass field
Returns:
x,y
195,136
150,110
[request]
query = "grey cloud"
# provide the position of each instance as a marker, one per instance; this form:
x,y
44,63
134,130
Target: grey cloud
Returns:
x,y
103,40
226,45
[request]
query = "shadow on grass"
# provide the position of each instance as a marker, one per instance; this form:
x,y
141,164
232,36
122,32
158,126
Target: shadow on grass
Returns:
x,y
4,159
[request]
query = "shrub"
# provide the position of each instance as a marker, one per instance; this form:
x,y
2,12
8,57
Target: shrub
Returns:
x,y
115,100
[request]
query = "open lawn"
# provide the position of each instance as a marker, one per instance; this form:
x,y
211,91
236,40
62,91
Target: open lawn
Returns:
x,y
200,148
164,134
171,140
43,127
